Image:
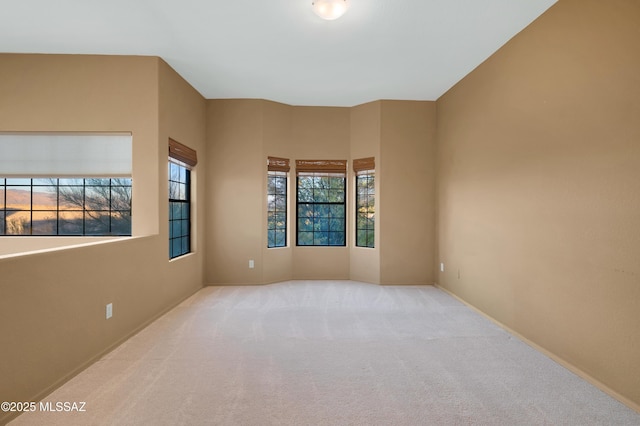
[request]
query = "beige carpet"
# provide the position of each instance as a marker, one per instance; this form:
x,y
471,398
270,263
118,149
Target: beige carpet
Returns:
x,y
328,353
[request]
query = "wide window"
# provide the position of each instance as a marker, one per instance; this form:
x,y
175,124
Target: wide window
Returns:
x,y
277,171
65,184
365,202
321,207
65,206
181,159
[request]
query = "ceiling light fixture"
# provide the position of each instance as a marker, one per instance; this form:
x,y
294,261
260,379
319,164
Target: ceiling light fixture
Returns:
x,y
330,9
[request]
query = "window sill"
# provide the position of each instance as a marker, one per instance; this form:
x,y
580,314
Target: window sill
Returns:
x,y
11,247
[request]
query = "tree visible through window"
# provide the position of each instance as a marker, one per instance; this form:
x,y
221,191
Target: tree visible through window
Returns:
x,y
277,185
321,209
365,201
365,209
276,209
65,206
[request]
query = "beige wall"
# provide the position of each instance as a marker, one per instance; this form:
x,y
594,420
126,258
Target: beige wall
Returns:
x,y
365,142
407,192
539,183
243,133
52,309
277,263
321,133
235,191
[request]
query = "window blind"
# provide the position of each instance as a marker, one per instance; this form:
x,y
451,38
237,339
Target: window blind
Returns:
x,y
65,154
276,164
362,164
182,153
323,166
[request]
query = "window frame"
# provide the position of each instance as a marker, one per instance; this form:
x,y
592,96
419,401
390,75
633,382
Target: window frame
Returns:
x,y
276,210
184,224
329,217
368,216
64,205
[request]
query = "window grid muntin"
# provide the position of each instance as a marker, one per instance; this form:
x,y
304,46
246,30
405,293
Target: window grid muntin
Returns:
x,y
326,215
365,209
113,222
276,209
179,210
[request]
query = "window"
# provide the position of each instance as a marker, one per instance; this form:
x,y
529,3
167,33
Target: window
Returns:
x,y
365,202
65,184
181,158
277,170
69,206
321,208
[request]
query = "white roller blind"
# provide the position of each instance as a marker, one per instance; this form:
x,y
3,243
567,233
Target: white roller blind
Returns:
x,y
65,154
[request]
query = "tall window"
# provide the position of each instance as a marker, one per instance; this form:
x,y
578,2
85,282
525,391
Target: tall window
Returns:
x,y
365,202
69,206
321,208
181,158
277,170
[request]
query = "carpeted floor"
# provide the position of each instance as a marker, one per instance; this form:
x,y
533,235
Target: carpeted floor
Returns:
x,y
328,353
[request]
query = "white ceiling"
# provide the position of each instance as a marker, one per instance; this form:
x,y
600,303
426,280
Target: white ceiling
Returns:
x,y
279,49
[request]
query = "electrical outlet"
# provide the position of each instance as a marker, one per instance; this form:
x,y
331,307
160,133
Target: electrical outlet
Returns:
x,y
441,267
251,264
109,310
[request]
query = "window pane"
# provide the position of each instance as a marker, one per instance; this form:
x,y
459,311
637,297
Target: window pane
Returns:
x,y
321,196
70,223
305,210
97,197
305,238
336,238
320,224
71,182
337,183
18,198
321,210
45,198
305,225
96,223
184,207
19,181
305,195
336,225
44,223
281,238
321,238
71,197
120,197
281,186
337,211
176,245
18,223
1,222
281,220
121,223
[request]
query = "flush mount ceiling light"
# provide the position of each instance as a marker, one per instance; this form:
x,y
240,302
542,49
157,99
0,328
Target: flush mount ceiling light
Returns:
x,y
330,9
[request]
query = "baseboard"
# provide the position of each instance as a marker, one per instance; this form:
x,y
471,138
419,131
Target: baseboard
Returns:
x,y
47,391
575,370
